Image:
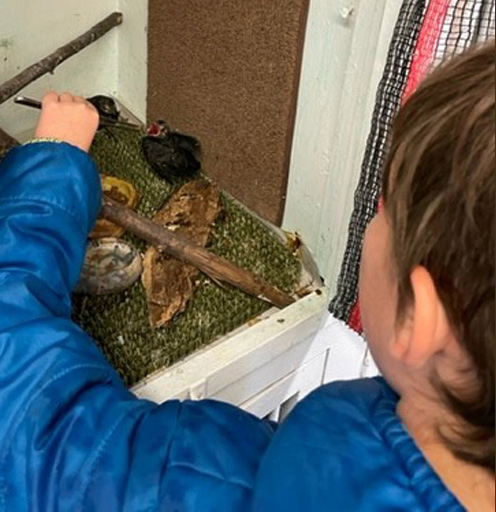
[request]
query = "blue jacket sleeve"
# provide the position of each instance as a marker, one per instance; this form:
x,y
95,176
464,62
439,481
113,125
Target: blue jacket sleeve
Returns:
x,y
71,436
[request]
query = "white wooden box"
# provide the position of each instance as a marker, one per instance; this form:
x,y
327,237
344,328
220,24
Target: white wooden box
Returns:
x,y
258,367
271,359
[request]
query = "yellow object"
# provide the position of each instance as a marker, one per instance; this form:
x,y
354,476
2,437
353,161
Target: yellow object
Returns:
x,y
124,193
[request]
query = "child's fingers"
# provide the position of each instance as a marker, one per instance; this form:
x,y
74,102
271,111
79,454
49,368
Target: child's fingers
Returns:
x,y
67,118
66,97
79,100
82,101
50,97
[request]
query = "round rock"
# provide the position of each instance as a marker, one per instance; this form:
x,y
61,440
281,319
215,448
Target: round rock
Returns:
x,y
110,266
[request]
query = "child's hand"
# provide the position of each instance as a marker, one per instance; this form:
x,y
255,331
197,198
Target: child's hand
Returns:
x,y
69,119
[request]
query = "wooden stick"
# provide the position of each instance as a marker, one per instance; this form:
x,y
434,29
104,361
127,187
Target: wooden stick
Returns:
x,y
48,64
179,247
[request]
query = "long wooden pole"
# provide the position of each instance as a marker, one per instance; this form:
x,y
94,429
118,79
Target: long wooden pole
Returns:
x,y
179,247
48,64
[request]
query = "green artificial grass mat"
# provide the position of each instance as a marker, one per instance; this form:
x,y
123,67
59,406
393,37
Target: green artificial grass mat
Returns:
x,y
119,323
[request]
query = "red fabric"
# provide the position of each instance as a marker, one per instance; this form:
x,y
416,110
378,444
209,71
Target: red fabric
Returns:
x,y
355,321
426,49
425,54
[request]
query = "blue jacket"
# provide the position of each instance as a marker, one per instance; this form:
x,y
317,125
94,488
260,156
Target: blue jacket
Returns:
x,y
72,438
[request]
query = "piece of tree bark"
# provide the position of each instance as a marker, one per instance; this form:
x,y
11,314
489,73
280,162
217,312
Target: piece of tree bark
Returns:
x,y
169,283
48,64
214,266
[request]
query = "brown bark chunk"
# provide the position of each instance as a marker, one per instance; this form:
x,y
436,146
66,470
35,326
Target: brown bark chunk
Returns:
x,y
191,213
124,193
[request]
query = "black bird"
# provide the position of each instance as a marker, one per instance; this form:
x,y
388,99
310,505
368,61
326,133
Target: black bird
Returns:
x,y
106,106
172,155
110,115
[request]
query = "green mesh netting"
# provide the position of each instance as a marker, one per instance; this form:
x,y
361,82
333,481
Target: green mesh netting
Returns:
x,y
119,323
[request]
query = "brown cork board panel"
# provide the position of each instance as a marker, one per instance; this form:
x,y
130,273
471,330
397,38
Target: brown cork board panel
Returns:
x,y
227,72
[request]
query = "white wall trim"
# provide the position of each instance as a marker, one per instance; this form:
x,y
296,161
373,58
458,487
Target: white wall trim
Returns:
x,y
344,57
133,57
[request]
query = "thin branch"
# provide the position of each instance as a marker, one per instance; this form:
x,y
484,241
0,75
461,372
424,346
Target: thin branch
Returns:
x,y
48,64
179,247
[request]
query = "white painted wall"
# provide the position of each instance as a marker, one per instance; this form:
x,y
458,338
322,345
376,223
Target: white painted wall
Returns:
x,y
132,64
115,64
344,57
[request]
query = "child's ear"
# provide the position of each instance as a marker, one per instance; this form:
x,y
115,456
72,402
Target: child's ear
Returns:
x,y
425,330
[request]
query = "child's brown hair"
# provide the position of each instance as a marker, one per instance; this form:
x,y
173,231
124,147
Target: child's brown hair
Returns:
x,y
439,194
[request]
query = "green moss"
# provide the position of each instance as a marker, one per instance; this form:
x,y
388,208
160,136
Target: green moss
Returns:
x,y
119,323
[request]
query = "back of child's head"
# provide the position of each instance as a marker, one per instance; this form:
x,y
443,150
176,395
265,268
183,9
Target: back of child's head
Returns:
x,y
439,196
